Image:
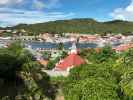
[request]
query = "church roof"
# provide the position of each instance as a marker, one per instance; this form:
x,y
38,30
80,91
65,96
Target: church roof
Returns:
x,y
71,60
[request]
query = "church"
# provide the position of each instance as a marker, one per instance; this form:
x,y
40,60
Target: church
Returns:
x,y
71,61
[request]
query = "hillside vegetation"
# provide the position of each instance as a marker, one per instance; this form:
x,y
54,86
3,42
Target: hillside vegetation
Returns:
x,y
89,26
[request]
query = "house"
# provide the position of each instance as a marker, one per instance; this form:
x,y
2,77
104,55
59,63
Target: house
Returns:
x,y
46,36
123,47
1,31
89,38
72,60
43,62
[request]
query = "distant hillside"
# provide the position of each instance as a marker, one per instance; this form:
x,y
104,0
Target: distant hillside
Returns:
x,y
89,26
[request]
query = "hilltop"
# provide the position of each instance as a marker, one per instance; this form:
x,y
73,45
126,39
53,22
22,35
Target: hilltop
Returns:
x,y
84,25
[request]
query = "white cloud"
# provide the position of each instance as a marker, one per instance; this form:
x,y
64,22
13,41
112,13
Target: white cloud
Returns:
x,y
35,4
9,2
52,4
38,4
49,4
11,17
124,13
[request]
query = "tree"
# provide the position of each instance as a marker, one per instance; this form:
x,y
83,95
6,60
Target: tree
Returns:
x,y
60,46
126,84
92,70
12,59
37,83
128,57
124,62
91,89
9,64
16,47
91,81
51,63
64,54
105,54
45,55
17,67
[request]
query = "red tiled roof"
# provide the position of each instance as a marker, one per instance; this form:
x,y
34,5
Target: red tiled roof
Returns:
x,y
69,61
123,47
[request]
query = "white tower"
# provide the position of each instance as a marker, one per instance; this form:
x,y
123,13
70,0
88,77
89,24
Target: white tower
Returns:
x,y
73,49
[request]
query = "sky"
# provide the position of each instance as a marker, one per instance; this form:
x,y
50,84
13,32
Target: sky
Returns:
x,y
13,12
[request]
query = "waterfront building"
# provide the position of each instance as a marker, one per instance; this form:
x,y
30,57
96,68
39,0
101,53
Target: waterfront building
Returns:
x,y
28,38
123,47
47,37
89,38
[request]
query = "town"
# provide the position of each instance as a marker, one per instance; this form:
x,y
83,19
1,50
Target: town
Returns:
x,y
60,56
45,55
66,49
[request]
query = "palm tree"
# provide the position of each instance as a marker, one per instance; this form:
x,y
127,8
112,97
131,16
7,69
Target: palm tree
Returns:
x,y
16,62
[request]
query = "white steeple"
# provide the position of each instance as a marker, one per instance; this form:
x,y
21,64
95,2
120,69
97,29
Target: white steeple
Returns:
x,y
73,48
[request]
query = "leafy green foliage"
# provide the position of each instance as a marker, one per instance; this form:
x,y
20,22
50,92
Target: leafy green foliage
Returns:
x,y
36,82
22,78
105,54
91,81
124,63
60,46
91,89
45,55
86,71
9,63
11,60
128,57
51,63
127,83
102,55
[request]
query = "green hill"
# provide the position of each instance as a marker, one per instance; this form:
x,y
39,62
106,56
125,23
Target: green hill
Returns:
x,y
85,25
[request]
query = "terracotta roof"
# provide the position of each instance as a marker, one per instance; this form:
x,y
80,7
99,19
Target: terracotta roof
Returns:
x,y
123,47
98,50
88,37
43,62
71,60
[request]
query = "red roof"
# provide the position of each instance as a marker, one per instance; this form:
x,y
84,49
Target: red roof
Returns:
x,y
91,38
123,47
70,61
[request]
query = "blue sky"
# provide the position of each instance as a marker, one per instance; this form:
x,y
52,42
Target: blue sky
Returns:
x,y
13,12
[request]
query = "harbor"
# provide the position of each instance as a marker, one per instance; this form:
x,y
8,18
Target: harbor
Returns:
x,y
67,45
